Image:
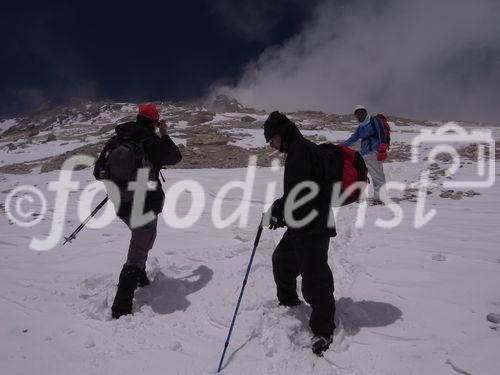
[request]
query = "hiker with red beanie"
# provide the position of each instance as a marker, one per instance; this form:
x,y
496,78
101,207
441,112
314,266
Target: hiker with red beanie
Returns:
x,y
138,141
303,250
374,146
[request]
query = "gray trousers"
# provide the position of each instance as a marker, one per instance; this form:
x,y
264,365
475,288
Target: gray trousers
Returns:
x,y
141,242
376,170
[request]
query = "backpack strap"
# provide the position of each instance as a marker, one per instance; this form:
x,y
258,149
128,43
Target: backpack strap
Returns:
x,y
370,147
377,133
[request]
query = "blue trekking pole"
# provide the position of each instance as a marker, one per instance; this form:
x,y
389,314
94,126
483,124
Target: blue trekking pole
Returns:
x,y
255,243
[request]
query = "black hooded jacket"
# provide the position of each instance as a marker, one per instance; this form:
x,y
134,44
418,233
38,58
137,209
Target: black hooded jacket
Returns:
x,y
304,162
160,151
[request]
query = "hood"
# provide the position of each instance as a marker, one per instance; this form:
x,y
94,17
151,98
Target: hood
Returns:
x,y
278,123
131,130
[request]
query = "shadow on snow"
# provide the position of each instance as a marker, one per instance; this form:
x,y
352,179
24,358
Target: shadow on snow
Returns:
x,y
351,316
166,295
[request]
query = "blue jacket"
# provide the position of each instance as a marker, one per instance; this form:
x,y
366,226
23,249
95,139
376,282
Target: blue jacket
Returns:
x,y
371,134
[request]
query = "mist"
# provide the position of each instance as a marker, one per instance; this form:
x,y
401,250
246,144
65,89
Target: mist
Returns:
x,y
425,59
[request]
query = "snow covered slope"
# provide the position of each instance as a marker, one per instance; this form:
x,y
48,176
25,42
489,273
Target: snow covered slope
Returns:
x,y
409,301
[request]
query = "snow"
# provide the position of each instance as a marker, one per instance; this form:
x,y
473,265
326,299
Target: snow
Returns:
x,y
227,116
218,118
180,125
178,141
328,135
409,301
248,138
4,125
38,151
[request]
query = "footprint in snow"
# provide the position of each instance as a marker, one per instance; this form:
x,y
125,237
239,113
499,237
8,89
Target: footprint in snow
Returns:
x,y
241,238
439,257
493,318
241,235
97,295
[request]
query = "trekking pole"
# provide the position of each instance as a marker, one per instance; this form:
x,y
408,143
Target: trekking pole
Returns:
x,y
72,236
255,243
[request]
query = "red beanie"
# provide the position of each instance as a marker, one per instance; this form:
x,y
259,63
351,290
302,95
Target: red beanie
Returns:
x,y
149,111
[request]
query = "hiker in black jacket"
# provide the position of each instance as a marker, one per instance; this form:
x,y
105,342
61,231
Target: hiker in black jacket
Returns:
x,y
160,151
303,250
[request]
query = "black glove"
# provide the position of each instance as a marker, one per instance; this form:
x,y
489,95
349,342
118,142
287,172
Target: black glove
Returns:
x,y
276,220
276,223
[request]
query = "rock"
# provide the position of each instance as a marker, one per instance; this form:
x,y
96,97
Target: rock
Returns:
x,y
493,318
439,257
444,157
51,137
446,193
322,138
471,193
221,103
176,346
195,118
11,146
89,344
33,132
458,195
248,119
452,194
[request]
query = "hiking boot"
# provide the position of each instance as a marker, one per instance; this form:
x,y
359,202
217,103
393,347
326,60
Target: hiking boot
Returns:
x,y
142,279
122,305
375,202
289,303
320,344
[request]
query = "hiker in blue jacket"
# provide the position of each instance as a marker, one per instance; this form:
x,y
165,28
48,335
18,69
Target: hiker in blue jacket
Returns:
x,y
373,147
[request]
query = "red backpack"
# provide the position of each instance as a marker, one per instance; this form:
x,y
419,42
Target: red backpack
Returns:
x,y
387,128
345,165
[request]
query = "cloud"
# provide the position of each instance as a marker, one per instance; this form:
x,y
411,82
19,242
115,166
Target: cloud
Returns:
x,y
424,59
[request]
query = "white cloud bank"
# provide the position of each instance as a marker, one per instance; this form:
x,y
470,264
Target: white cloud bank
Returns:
x,y
426,59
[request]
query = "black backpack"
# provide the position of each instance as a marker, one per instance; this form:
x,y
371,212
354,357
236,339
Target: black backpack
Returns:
x,y
120,164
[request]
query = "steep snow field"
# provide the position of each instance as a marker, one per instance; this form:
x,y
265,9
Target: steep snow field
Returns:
x,y
409,301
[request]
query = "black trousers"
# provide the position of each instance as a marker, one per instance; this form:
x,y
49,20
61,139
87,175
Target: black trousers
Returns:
x,y
306,255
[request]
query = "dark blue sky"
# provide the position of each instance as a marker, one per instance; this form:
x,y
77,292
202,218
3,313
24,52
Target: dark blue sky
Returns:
x,y
172,50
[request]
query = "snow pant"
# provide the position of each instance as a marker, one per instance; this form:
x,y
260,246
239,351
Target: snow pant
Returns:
x,y
306,255
376,170
141,242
